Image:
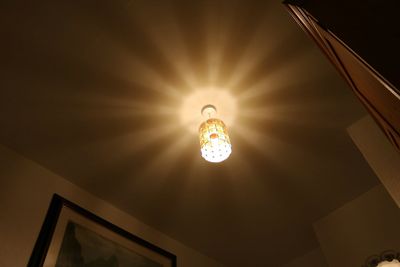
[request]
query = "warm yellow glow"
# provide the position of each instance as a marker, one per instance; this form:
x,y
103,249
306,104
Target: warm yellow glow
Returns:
x,y
192,104
214,140
393,263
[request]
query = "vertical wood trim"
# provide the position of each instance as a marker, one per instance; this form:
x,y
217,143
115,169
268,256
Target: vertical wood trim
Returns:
x,y
381,98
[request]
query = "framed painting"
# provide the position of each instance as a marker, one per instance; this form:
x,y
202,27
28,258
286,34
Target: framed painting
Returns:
x,y
74,237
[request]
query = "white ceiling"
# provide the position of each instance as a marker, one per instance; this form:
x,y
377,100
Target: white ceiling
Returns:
x,y
93,90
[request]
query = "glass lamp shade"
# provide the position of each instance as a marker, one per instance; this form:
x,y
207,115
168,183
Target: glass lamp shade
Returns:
x,y
393,263
214,140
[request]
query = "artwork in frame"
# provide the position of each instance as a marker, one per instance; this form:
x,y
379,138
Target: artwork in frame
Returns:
x,y
74,237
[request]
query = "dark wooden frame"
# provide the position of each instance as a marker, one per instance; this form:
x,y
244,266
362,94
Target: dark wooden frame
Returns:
x,y
46,233
378,95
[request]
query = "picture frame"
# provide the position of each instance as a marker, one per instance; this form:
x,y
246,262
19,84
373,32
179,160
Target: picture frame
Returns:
x,y
73,236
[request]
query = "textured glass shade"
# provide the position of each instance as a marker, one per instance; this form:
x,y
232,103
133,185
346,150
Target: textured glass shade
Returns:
x,y
393,263
214,140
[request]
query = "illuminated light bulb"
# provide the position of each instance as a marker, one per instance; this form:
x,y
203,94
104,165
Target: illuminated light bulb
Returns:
x,y
214,139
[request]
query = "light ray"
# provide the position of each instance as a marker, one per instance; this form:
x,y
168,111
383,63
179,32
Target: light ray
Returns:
x,y
280,74
167,159
254,53
219,22
167,37
122,62
148,78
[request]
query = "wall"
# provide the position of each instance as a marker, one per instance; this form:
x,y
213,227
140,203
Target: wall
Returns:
x,y
314,258
369,224
363,227
26,189
383,158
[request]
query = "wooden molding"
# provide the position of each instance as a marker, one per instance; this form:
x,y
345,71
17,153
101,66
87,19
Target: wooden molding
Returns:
x,y
379,96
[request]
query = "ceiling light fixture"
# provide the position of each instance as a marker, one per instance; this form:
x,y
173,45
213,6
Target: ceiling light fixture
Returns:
x,y
214,139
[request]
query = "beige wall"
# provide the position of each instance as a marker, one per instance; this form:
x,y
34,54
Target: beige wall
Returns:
x,y
26,189
382,156
369,224
314,258
365,226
